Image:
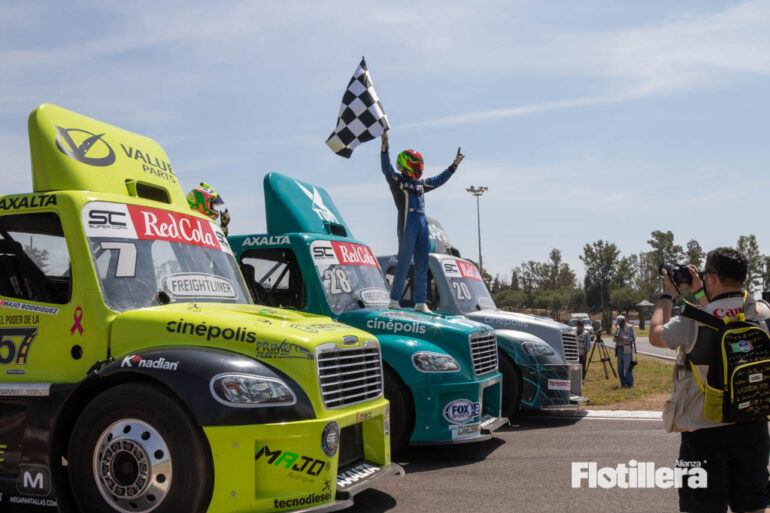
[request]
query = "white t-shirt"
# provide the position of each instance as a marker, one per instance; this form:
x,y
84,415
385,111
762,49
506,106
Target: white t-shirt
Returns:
x,y
680,334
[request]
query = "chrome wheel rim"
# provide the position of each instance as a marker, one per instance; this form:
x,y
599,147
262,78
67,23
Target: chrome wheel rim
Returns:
x,y
132,466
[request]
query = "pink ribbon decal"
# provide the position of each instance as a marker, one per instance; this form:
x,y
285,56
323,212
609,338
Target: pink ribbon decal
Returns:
x,y
77,317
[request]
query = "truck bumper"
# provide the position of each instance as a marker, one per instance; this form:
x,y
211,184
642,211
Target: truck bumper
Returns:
x,y
432,427
544,385
288,467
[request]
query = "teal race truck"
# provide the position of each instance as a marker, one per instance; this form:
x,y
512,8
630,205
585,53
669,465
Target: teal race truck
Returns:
x,y
441,372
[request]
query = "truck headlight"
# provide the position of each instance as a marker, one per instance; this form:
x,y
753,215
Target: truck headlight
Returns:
x,y
250,391
435,362
537,348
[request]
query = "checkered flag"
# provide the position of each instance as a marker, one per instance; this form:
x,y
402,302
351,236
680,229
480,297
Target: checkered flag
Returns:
x,y
361,116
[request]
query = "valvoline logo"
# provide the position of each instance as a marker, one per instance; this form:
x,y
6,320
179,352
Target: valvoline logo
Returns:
x,y
354,254
461,411
156,224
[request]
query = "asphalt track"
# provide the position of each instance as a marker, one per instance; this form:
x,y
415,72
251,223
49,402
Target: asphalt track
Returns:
x,y
527,468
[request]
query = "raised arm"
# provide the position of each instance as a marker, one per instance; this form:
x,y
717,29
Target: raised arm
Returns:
x,y
442,178
387,167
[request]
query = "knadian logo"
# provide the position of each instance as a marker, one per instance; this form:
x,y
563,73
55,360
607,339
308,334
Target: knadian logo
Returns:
x,y
136,360
90,149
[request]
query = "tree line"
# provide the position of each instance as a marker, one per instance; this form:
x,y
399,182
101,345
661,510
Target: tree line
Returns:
x,y
613,281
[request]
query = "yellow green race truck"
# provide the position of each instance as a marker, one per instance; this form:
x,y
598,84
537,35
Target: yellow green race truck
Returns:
x,y
136,375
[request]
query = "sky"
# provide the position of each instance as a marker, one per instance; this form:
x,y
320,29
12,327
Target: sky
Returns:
x,y
586,119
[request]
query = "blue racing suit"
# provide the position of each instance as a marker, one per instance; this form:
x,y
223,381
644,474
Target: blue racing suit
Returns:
x,y
413,236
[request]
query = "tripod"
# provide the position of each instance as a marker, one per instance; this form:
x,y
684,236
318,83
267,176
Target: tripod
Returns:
x,y
604,356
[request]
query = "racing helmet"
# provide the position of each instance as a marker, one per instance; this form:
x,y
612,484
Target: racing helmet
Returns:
x,y
410,163
204,199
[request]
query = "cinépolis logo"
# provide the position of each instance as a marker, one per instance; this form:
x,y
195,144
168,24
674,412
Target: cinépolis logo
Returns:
x,y
642,474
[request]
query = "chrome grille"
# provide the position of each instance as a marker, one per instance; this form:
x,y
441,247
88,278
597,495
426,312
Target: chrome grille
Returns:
x,y
484,352
350,376
569,342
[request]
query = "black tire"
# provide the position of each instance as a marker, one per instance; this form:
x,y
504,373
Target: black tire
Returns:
x,y
136,431
511,385
401,410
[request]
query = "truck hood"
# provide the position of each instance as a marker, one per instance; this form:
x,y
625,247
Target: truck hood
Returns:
x,y
273,334
545,329
513,320
448,332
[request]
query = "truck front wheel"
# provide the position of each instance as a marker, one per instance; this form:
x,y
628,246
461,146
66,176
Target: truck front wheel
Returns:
x,y
401,410
511,385
134,449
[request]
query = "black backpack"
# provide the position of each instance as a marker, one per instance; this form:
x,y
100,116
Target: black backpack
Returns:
x,y
737,388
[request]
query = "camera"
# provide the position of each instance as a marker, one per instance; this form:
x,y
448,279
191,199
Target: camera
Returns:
x,y
678,273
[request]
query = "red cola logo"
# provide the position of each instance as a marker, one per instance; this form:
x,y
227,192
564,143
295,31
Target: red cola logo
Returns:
x,y
354,254
156,224
469,270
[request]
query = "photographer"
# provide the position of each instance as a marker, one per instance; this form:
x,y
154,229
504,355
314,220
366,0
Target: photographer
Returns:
x,y
625,340
735,456
584,344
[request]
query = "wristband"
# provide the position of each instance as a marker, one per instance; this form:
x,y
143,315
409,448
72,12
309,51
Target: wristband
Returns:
x,y
699,293
667,296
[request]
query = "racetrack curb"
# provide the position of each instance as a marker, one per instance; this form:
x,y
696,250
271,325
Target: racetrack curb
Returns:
x,y
604,414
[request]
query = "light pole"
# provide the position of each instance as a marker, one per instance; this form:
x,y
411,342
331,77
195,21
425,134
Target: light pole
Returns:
x,y
478,191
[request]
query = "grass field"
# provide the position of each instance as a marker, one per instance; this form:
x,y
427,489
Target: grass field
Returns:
x,y
652,386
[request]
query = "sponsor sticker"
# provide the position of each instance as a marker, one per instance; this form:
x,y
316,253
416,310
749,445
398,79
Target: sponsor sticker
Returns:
x,y
290,461
355,474
330,439
461,411
198,285
466,431
742,346
282,350
265,240
332,252
468,270
35,201
744,405
485,302
102,219
449,266
374,296
354,254
34,480
136,361
755,378
27,307
559,384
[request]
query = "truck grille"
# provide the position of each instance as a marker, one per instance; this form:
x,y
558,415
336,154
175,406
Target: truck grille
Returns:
x,y
484,352
350,376
569,342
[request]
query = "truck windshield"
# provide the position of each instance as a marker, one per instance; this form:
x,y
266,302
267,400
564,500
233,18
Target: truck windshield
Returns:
x,y
350,275
468,289
146,256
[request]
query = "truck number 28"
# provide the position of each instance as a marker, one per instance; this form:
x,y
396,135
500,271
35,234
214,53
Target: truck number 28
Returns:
x,y
338,281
